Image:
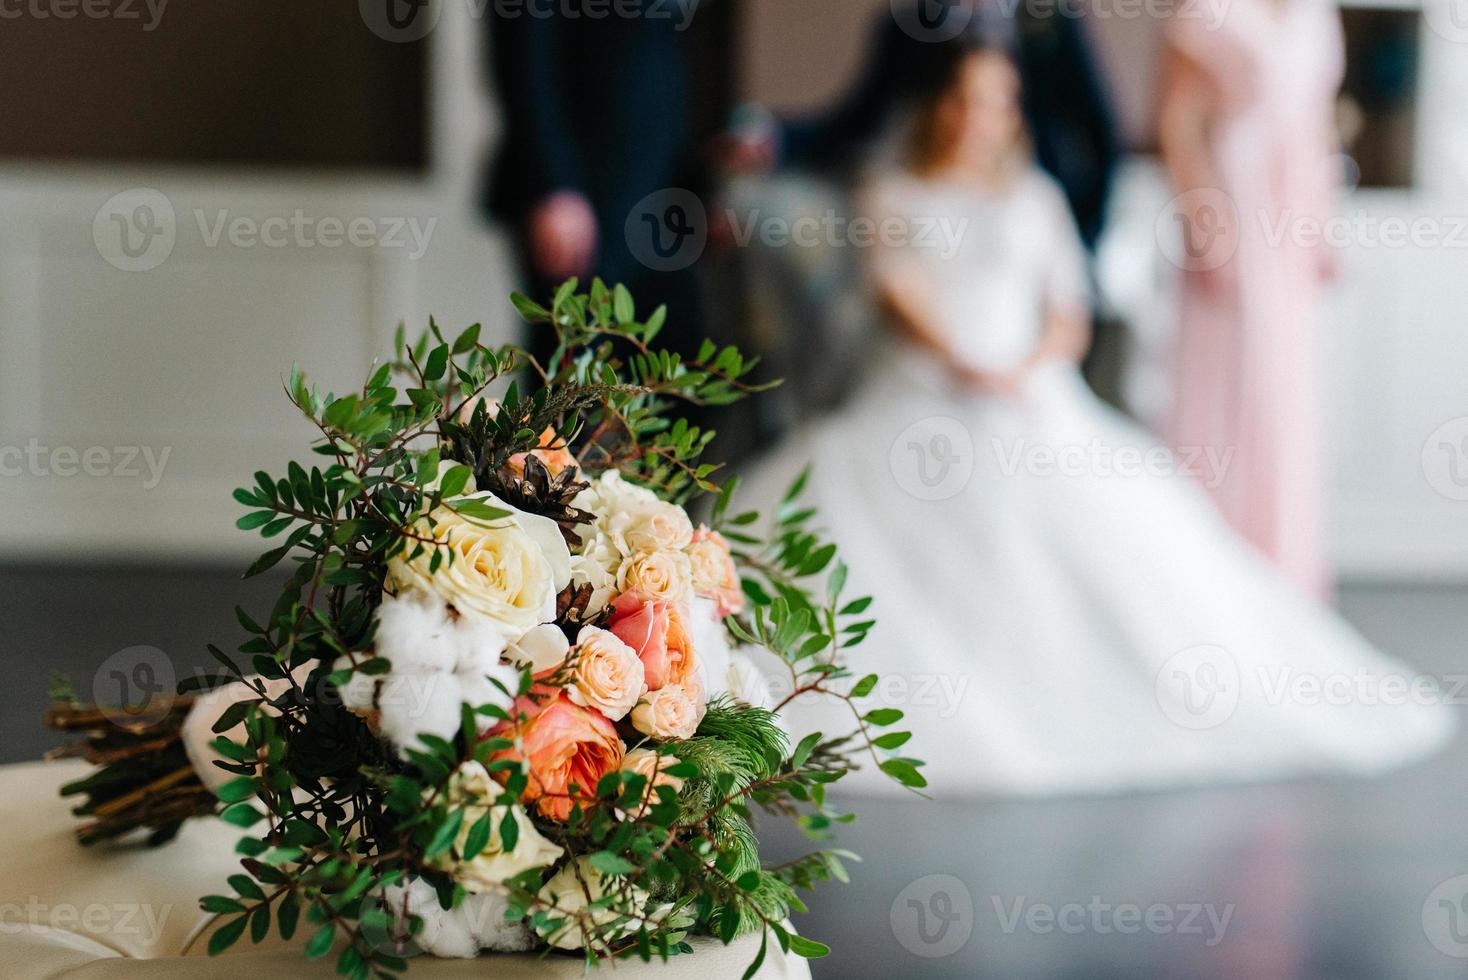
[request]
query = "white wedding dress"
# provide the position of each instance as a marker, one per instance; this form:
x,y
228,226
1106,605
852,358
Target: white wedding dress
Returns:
x,y
1059,608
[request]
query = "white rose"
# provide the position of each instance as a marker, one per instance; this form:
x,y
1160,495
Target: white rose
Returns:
x,y
661,576
571,891
592,569
669,712
488,871
541,649
508,571
606,674
617,505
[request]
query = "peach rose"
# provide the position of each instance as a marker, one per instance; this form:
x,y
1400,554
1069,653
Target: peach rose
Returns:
x,y
606,674
656,633
671,712
652,767
553,452
569,749
714,574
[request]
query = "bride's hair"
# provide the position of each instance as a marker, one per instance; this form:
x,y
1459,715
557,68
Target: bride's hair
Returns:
x,y
941,74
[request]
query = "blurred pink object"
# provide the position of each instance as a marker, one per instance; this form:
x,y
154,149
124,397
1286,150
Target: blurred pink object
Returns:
x,y
1260,173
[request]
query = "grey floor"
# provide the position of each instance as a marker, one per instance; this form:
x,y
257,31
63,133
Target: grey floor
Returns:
x,y
1325,880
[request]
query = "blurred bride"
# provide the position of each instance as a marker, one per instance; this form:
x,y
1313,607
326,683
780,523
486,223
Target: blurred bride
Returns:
x,y
1064,610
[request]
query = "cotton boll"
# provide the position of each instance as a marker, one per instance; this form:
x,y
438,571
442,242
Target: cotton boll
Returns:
x,y
485,916
415,633
414,704
359,692
478,923
443,933
480,643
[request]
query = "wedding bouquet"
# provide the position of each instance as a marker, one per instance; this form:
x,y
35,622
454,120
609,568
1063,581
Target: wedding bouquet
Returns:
x,y
506,700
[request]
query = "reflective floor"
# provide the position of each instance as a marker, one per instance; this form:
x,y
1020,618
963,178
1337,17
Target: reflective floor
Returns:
x,y
1326,880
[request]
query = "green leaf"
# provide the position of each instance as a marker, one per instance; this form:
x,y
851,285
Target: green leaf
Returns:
x,y
245,885
438,362
455,480
478,837
881,717
610,864
445,836
759,958
804,749
238,789
219,905
320,944
226,935
807,948
467,340
892,740
865,686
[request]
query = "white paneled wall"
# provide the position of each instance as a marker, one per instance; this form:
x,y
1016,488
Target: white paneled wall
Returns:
x,y
178,368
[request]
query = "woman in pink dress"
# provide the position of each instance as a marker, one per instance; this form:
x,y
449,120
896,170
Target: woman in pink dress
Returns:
x,y
1246,130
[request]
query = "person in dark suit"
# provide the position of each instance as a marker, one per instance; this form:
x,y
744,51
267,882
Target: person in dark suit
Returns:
x,y
596,116
1066,102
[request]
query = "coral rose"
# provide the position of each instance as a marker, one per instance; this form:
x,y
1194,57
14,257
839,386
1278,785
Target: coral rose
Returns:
x,y
568,748
657,634
553,452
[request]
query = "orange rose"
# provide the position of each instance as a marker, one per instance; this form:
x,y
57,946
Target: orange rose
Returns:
x,y
714,574
553,452
656,632
569,749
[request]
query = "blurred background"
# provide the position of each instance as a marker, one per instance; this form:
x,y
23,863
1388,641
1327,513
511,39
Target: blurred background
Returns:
x,y
193,197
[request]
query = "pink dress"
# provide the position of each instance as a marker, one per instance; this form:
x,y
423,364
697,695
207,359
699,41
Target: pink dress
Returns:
x,y
1247,384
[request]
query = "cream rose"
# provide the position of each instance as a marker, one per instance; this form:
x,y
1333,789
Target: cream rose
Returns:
x,y
668,713
713,573
661,576
572,891
657,526
606,674
652,767
508,570
472,786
